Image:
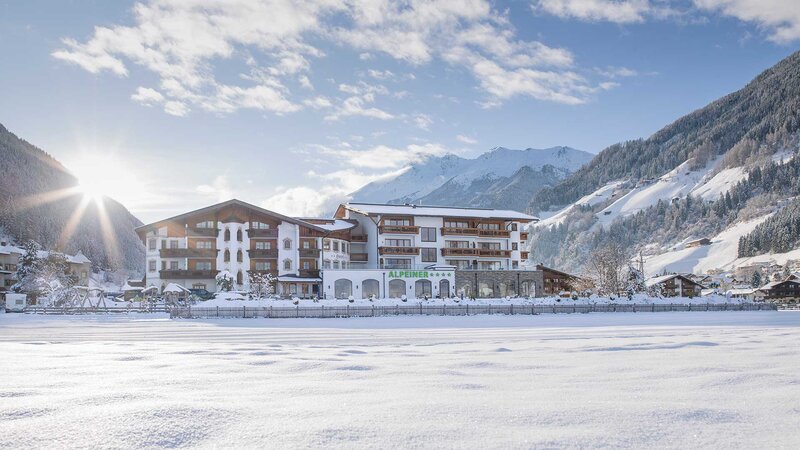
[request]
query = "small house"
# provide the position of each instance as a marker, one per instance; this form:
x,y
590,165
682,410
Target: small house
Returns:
x,y
675,285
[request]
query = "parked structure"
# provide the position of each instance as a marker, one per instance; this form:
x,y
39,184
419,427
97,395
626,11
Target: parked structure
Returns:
x,y
675,285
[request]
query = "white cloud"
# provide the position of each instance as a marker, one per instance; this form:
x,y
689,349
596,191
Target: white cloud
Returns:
x,y
616,72
617,11
423,121
383,156
219,190
303,201
381,74
466,139
147,96
781,18
357,104
318,102
176,108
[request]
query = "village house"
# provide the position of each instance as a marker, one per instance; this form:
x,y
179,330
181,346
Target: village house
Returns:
x,y
675,285
78,265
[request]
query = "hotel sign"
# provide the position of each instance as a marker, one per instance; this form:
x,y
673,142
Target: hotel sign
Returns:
x,y
418,274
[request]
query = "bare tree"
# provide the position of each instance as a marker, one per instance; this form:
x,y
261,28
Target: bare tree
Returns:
x,y
608,266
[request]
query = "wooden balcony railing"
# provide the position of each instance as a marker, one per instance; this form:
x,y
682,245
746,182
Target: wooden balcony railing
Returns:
x,y
398,229
263,253
358,238
494,233
262,232
202,232
309,253
359,257
188,252
451,231
398,250
187,274
453,251
495,253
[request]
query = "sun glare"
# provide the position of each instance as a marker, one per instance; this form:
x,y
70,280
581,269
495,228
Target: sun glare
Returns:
x,y
104,176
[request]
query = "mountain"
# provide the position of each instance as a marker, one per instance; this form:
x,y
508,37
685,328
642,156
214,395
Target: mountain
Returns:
x,y
38,198
718,173
500,177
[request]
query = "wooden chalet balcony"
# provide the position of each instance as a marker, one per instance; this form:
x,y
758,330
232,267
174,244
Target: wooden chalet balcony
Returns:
x,y
308,273
453,251
202,232
309,253
398,250
494,233
263,253
188,252
262,233
187,274
398,229
358,238
485,252
359,257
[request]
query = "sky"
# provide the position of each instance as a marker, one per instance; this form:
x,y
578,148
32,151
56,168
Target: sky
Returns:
x,y
168,105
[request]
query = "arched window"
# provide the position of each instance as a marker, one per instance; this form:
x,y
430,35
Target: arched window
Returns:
x,y
227,256
239,277
239,235
287,264
370,288
422,288
287,244
227,235
444,288
343,288
502,290
397,288
239,256
527,289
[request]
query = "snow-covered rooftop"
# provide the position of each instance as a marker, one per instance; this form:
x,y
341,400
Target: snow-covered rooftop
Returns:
x,y
439,211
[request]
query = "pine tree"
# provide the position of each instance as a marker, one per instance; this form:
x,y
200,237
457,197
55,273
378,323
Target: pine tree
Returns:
x,y
755,280
27,267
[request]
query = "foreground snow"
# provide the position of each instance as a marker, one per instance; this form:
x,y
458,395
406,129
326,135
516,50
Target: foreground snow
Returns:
x,y
678,380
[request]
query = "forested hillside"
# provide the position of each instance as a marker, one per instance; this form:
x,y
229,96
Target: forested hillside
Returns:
x,y
29,177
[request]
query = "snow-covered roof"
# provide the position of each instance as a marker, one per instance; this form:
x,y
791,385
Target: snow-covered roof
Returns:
x,y
173,288
331,224
438,211
78,258
660,279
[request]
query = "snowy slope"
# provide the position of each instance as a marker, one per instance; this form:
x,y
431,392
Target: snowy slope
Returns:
x,y
599,196
423,178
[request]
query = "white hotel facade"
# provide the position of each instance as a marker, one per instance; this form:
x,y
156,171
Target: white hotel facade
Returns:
x,y
364,250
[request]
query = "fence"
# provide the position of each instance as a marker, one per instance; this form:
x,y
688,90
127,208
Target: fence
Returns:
x,y
188,312
95,310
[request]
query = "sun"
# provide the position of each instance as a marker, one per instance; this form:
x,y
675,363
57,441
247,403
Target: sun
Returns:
x,y
101,175
92,188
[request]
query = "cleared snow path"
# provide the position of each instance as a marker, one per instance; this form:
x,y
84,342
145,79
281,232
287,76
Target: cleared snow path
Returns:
x,y
666,380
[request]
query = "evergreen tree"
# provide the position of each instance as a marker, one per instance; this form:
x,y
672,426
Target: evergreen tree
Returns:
x,y
27,267
755,280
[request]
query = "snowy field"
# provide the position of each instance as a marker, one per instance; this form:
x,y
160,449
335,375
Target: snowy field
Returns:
x,y
665,380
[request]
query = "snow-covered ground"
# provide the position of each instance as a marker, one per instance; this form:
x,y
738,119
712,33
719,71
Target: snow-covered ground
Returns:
x,y
666,380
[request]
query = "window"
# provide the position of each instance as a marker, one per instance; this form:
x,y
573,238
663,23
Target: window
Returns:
x,y
326,244
343,288
370,288
513,227
239,235
260,225
444,288
336,246
398,242
457,244
199,286
336,264
261,245
151,244
397,263
287,264
344,247
239,256
456,224
206,224
485,289
514,246
226,257
490,245
515,265
204,244
306,244
163,265
227,235
428,255
151,266
287,244
422,288
239,277
173,265
488,226
397,288
428,234
326,264
397,222
173,243
306,265
263,265
203,265
458,263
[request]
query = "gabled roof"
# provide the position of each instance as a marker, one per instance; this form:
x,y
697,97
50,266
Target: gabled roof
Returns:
x,y
658,280
436,211
232,202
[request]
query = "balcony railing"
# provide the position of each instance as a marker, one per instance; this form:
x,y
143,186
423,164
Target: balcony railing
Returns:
x,y
453,251
493,233
496,253
202,232
398,250
398,229
178,274
188,252
263,253
358,238
359,257
451,231
308,273
262,232
309,253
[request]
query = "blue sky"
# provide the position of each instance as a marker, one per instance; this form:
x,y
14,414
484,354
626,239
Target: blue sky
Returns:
x,y
168,106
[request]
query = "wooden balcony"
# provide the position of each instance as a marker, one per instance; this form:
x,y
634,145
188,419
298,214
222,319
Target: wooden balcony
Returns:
x,y
453,251
262,233
359,257
358,238
398,229
493,253
188,252
261,253
187,274
398,250
309,253
494,233
202,232
308,273
450,231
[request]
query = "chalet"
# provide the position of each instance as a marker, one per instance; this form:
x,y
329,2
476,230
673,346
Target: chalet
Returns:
x,y
676,285
555,282
785,291
698,242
